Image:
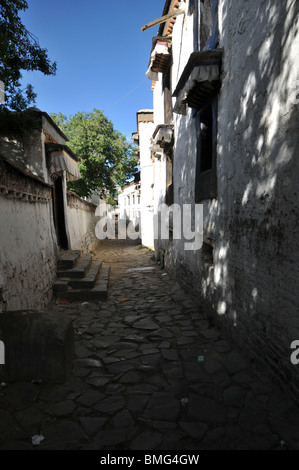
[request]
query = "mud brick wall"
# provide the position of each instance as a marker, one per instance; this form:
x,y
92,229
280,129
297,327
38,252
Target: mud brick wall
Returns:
x,y
28,249
247,274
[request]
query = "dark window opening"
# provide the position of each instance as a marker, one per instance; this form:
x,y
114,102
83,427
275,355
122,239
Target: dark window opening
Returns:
x,y
206,173
207,254
169,178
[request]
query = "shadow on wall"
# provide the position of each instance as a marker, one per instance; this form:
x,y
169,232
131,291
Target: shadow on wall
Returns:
x,y
20,140
261,215
254,280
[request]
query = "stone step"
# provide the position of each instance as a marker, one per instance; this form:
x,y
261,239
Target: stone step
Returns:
x,y
68,259
98,292
87,282
77,272
63,284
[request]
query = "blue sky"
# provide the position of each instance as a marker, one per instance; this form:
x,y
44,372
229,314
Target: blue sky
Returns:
x,y
101,55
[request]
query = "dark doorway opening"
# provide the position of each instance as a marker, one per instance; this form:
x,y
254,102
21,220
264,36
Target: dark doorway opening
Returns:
x,y
59,214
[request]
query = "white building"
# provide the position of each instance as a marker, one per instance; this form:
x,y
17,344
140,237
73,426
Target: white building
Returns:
x,y
225,77
129,203
41,216
145,128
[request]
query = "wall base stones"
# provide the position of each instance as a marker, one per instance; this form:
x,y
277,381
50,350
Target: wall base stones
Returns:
x,y
38,346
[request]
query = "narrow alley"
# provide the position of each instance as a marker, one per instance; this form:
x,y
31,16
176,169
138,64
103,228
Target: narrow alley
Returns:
x,y
150,372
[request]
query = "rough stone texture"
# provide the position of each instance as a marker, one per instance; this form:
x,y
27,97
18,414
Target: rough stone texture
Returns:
x,y
172,403
27,246
92,425
26,149
38,346
61,409
195,430
250,281
146,441
28,243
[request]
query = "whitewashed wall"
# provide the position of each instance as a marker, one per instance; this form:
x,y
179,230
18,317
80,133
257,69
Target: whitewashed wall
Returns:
x,y
146,130
251,282
81,222
158,100
28,248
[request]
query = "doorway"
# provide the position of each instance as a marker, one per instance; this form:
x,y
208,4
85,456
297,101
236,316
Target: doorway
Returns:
x,y
59,214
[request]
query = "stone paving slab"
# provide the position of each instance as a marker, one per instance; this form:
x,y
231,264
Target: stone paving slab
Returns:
x,y
150,373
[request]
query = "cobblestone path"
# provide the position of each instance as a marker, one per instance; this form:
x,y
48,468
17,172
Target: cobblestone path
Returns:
x,y
151,372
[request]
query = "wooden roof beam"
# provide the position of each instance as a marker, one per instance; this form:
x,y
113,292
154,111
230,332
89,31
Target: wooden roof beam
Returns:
x,y
162,38
162,19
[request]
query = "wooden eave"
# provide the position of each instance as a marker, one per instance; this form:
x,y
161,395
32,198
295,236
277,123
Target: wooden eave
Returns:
x,y
202,94
213,57
161,126
51,147
161,63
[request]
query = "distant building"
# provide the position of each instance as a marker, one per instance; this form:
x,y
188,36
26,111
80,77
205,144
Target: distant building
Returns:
x,y
145,127
129,202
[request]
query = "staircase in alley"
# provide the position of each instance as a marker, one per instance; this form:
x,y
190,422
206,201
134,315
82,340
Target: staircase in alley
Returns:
x,y
79,277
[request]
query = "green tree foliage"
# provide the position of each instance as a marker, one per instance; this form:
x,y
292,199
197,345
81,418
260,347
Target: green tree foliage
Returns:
x,y
19,50
106,159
